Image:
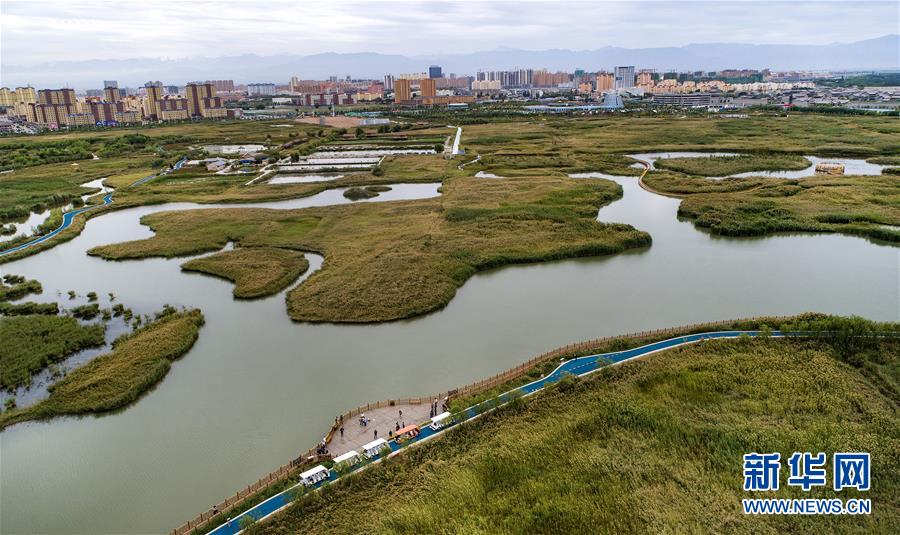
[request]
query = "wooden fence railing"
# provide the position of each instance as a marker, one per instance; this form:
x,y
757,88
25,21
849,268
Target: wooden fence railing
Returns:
x,y
468,390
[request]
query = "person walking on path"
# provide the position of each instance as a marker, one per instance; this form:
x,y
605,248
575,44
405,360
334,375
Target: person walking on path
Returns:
x,y
376,433
342,431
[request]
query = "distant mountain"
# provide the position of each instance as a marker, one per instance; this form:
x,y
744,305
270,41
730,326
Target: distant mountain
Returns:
x,y
879,53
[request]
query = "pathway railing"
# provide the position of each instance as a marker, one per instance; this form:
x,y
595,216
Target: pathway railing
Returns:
x,y
471,389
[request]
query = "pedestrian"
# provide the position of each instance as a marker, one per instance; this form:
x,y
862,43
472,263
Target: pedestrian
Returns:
x,y
398,427
401,413
390,434
342,431
376,433
342,419
215,510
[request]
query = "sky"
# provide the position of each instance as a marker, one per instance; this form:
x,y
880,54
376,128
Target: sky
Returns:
x,y
33,32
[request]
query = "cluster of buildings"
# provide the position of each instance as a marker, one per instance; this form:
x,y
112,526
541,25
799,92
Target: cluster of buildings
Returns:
x,y
25,107
57,108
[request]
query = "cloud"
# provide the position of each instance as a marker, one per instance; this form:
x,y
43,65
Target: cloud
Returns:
x,y
49,31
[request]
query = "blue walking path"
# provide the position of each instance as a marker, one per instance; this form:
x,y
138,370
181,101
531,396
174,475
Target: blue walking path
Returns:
x,y
69,217
578,367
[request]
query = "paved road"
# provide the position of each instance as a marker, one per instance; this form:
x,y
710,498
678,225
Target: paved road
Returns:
x,y
578,367
68,217
456,141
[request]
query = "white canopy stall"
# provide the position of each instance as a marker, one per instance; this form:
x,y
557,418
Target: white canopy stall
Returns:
x,y
440,420
314,475
350,458
373,448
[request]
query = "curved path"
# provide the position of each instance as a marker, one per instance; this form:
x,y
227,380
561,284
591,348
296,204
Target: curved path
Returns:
x,y
647,166
578,367
68,217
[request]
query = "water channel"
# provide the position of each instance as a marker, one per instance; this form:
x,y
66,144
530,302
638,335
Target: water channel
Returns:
x,y
257,388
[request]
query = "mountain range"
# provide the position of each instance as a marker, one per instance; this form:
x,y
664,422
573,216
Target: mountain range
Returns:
x,y
882,53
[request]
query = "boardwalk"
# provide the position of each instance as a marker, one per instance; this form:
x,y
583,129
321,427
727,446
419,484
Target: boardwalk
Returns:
x,y
578,366
383,419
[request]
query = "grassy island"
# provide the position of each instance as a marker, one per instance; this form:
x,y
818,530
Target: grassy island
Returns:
x,y
112,381
732,165
862,205
255,271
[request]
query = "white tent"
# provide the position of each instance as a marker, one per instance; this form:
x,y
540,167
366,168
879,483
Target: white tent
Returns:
x,y
440,420
372,448
314,475
351,457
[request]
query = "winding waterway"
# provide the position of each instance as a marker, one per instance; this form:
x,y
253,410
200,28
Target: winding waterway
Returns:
x,y
257,388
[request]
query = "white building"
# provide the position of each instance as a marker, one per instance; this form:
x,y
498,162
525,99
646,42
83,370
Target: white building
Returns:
x,y
260,89
625,77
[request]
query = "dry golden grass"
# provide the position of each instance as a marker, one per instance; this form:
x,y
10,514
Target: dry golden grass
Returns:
x,y
652,446
255,271
393,260
860,205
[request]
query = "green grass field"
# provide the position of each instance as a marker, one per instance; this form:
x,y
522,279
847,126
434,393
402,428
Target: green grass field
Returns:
x,y
255,271
537,147
137,361
30,343
863,205
731,165
646,447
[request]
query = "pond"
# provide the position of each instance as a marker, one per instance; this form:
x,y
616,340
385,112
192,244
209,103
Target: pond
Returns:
x,y
852,166
257,388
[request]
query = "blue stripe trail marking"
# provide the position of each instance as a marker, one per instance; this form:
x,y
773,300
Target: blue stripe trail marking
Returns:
x,y
69,216
579,366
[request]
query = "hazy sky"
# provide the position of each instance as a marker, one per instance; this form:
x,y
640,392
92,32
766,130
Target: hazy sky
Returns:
x,y
39,31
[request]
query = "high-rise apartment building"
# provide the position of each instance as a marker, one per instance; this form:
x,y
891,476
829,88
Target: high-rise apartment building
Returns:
x,y
222,85
195,94
57,97
625,77
260,89
111,94
402,90
605,81
173,109
103,112
26,95
7,97
428,87
645,77
388,82
110,83
435,71
151,100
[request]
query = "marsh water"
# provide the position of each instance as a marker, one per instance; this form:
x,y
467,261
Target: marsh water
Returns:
x,y
257,388
26,226
851,166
